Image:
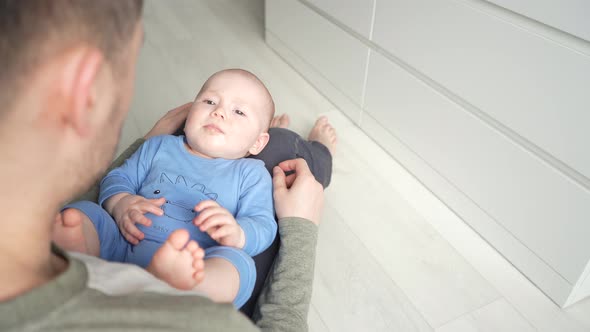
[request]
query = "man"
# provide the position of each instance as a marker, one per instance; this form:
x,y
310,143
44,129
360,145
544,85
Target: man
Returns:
x,y
68,72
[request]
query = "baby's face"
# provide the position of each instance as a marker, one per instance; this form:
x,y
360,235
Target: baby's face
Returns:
x,y
229,118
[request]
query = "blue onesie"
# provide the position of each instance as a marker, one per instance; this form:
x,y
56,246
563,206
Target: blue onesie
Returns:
x,y
163,167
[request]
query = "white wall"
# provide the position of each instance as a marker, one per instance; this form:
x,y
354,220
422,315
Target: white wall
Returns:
x,y
488,108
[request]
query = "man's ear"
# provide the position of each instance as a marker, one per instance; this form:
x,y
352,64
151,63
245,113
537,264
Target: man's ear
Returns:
x,y
260,143
79,87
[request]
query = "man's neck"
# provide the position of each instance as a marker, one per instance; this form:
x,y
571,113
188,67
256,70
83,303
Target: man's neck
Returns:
x,y
33,189
26,260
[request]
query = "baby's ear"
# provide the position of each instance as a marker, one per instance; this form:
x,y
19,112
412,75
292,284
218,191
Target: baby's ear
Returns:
x,y
260,143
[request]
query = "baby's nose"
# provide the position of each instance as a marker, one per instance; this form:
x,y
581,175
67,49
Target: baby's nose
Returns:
x,y
219,113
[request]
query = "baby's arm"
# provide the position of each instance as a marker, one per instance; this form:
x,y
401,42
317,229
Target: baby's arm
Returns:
x,y
128,210
220,224
118,192
255,213
253,228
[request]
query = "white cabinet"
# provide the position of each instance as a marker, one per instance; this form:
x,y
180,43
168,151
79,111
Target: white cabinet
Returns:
x,y
533,87
483,108
545,211
570,16
355,14
338,58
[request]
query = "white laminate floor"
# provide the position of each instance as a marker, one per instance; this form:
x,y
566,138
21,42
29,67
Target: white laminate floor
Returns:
x,y
391,257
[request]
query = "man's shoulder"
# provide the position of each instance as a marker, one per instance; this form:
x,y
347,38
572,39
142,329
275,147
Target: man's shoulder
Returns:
x,y
155,310
93,310
126,294
94,295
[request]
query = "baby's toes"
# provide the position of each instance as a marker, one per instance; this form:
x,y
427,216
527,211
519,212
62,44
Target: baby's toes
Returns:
x,y
199,276
192,246
178,239
199,254
198,263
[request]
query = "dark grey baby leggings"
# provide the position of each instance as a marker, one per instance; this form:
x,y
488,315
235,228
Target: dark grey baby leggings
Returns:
x,y
285,144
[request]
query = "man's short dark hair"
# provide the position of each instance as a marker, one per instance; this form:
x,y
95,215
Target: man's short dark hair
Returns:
x,y
31,30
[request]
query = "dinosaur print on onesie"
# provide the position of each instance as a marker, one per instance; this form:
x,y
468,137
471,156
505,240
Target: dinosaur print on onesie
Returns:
x,y
181,197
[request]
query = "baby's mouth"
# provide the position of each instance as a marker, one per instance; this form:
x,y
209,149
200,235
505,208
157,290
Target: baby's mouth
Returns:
x,y
213,128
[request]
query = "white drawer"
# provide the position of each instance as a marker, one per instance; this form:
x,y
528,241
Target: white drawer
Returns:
x,y
544,210
355,14
535,87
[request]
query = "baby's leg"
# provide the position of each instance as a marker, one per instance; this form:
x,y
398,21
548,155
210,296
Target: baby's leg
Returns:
x,y
179,261
222,280
280,121
85,227
230,275
324,133
224,274
74,231
317,150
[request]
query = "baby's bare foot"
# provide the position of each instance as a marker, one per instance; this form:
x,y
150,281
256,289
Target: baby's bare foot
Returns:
x,y
280,121
73,231
324,133
179,261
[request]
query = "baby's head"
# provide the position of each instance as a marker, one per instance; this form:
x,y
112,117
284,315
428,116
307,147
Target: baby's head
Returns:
x,y
230,116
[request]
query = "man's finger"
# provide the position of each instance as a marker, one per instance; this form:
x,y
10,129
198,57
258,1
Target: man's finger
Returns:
x,y
298,165
290,179
181,108
278,179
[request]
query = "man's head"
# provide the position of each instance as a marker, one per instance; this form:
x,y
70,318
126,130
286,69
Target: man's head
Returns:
x,y
230,116
32,31
68,74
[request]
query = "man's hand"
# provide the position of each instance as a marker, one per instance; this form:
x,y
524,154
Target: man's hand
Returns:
x,y
171,121
299,194
219,224
129,210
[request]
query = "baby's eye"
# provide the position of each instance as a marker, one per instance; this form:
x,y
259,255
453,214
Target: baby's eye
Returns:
x,y
238,112
209,102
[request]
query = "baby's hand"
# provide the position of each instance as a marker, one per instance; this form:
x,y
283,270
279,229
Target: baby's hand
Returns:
x,y
219,224
130,209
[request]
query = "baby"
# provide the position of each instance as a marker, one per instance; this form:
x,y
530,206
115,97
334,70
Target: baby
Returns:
x,y
178,195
